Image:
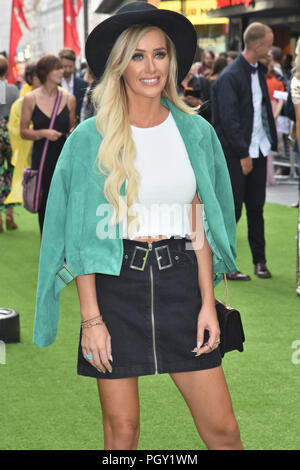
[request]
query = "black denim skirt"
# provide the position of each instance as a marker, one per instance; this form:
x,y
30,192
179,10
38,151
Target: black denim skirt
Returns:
x,y
151,312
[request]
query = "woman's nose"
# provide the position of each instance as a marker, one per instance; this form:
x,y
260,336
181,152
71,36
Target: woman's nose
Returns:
x,y
150,65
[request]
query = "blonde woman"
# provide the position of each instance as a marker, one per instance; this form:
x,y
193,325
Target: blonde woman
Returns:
x,y
122,219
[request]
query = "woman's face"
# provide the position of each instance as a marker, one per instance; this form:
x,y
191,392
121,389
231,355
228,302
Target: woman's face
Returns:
x,y
35,82
147,72
55,76
208,59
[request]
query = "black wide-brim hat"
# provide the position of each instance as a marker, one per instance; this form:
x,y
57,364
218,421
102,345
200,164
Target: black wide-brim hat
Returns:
x,y
179,29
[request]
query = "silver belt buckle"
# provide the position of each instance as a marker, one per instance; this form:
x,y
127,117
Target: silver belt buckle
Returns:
x,y
146,250
159,257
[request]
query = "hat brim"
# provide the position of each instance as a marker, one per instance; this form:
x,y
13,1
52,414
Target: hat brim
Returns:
x,y
179,29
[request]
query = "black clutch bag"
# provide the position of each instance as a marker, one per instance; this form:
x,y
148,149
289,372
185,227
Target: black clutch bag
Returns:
x,y
232,333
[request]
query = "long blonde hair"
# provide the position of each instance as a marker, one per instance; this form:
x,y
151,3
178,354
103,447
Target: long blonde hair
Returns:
x,y
296,70
117,150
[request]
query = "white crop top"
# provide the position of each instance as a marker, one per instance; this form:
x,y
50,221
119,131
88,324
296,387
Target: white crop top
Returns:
x,y
167,186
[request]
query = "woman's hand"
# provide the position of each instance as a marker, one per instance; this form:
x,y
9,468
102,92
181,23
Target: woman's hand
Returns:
x,y
207,320
51,134
96,340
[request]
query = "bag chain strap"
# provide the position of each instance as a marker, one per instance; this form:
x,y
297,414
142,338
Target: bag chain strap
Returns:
x,y
227,293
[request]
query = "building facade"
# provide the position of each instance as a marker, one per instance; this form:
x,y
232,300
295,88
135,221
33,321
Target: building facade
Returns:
x,y
45,36
211,32
283,16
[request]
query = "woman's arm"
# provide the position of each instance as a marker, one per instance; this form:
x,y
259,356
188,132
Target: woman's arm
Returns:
x,y
278,108
72,111
26,114
96,339
208,316
297,113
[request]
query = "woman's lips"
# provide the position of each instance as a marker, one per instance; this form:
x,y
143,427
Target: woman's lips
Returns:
x,y
150,81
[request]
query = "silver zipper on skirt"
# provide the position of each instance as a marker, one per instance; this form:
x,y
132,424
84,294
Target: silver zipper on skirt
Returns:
x,y
152,314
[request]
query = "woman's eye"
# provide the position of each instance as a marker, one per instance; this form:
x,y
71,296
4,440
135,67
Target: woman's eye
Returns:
x,y
161,55
158,55
137,57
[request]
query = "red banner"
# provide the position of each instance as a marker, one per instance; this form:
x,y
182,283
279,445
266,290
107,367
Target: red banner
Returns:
x,y
71,38
79,5
17,16
231,3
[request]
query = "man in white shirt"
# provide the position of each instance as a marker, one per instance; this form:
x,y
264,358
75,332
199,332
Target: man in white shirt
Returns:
x,y
243,119
75,85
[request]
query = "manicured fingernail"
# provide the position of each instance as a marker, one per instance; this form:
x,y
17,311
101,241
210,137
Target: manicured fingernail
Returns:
x,y
198,345
110,358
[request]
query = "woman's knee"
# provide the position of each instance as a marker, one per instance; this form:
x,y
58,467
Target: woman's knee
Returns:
x,y
122,430
226,435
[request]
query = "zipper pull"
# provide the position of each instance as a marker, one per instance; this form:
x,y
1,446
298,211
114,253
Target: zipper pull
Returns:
x,y
149,246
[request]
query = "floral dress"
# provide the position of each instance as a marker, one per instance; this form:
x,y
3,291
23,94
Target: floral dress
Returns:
x,y
6,168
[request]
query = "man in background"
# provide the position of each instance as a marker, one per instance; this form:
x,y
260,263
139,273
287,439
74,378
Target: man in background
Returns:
x,y
243,120
75,85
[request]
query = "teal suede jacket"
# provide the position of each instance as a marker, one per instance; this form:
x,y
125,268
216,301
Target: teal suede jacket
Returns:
x,y
77,238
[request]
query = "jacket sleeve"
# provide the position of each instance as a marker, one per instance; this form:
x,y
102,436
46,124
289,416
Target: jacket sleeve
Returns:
x,y
223,190
225,112
52,253
221,214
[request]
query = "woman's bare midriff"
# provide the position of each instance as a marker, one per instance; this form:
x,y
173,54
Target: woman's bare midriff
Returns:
x,y
150,239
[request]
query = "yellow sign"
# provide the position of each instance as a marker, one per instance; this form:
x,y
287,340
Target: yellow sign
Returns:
x,y
195,10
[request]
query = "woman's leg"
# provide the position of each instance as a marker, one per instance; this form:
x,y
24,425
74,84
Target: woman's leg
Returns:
x,y
10,223
119,400
207,396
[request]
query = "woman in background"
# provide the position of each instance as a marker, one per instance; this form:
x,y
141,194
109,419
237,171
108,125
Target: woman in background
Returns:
x,y
219,64
9,93
295,93
273,84
21,148
207,63
37,107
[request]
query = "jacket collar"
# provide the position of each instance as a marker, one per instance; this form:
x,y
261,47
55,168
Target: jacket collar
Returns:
x,y
248,67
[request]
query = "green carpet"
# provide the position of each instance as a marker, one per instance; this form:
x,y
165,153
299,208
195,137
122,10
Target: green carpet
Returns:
x,y
45,405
